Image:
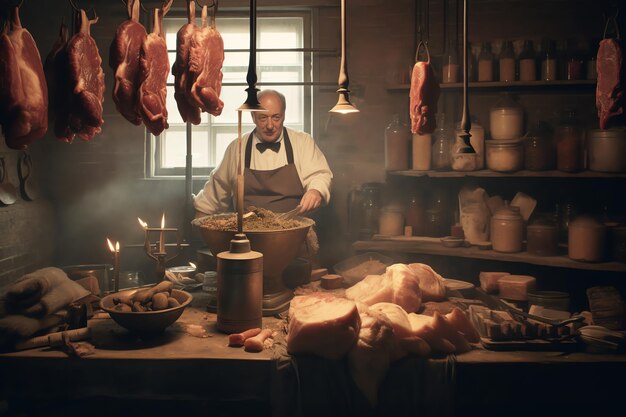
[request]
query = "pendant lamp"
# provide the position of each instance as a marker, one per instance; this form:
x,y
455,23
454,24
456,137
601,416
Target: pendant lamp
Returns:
x,y
343,105
252,102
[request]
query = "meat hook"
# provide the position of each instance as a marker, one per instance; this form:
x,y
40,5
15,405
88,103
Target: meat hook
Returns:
x,y
214,3
141,4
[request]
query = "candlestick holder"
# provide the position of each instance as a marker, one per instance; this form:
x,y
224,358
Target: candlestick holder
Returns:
x,y
158,251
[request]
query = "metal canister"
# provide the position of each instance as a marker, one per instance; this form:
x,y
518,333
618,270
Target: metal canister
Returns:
x,y
239,287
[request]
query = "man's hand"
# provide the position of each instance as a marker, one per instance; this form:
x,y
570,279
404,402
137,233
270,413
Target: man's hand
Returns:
x,y
311,200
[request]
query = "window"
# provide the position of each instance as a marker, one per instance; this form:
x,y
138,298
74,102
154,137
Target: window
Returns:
x,y
288,71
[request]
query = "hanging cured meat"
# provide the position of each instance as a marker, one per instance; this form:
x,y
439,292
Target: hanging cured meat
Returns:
x,y
154,69
609,89
23,89
86,81
205,67
188,110
423,96
124,57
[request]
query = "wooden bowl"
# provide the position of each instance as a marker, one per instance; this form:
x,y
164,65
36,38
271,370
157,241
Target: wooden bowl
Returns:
x,y
149,322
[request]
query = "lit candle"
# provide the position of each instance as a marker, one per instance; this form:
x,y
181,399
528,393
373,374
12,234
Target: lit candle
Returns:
x,y
146,243
162,235
116,264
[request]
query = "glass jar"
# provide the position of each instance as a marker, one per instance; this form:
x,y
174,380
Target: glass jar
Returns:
x,y
527,64
442,146
567,211
506,62
422,150
569,144
506,119
542,239
607,149
592,70
370,209
485,63
434,223
548,61
450,66
397,137
391,221
505,155
538,150
574,63
586,239
415,214
507,230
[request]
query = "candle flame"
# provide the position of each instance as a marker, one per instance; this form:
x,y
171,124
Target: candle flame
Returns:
x,y
163,221
111,248
193,265
117,246
142,223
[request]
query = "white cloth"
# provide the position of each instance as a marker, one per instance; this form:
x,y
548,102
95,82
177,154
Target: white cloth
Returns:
x,y
315,174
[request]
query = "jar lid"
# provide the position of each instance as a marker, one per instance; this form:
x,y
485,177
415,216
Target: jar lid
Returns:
x,y
542,225
508,213
586,222
614,133
503,143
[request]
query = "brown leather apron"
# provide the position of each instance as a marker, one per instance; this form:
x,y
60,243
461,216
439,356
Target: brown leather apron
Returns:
x,y
280,189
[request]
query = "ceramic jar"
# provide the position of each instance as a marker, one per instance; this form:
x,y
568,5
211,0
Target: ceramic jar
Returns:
x,y
507,230
542,239
506,119
607,150
586,239
391,221
505,155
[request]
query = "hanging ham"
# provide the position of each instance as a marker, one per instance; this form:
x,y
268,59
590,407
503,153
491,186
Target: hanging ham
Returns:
x,y
124,58
423,96
23,89
189,111
205,67
609,89
86,81
154,69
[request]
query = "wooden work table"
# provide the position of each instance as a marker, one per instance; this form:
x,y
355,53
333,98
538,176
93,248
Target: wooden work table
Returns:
x,y
177,371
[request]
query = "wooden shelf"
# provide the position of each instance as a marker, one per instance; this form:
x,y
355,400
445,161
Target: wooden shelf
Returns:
x,y
433,246
500,85
492,174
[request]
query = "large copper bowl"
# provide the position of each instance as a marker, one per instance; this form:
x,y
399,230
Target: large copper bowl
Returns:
x,y
279,247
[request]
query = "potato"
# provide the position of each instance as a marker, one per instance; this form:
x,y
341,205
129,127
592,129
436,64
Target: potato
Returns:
x,y
159,301
172,302
123,307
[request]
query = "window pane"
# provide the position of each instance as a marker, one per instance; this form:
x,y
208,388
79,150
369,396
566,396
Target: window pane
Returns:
x,y
173,148
200,144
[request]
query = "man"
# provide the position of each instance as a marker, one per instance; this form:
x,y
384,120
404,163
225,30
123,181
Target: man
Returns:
x,y
283,168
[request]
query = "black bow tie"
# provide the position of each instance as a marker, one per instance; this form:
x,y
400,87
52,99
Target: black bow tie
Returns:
x,y
263,146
